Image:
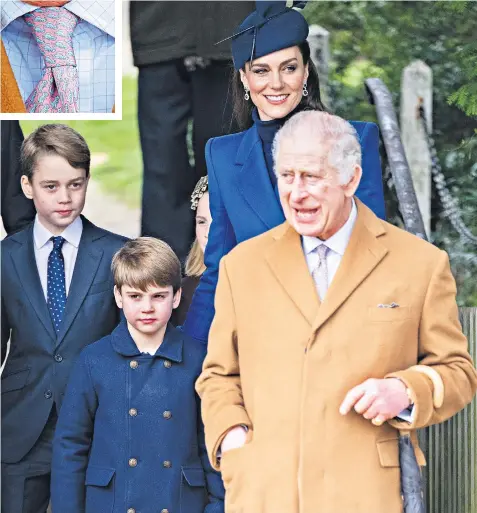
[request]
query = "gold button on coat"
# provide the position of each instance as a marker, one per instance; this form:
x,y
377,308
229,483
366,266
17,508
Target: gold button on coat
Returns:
x,y
167,364
132,462
133,364
167,414
167,464
133,412
131,510
164,511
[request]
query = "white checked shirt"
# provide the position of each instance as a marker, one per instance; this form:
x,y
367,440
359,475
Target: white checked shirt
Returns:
x,y
43,246
93,44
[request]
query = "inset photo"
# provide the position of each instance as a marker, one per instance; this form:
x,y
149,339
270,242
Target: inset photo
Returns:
x,y
59,57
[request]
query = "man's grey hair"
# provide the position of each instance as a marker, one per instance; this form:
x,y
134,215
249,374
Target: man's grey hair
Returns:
x,y
337,136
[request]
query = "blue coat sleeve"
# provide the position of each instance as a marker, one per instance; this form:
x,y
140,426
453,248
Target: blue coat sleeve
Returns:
x,y
71,445
370,190
221,241
215,486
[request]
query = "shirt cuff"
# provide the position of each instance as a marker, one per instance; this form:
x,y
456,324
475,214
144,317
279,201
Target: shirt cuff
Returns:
x,y
407,415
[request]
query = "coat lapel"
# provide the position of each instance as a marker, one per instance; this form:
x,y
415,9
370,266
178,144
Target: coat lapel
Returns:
x,y
254,182
363,254
24,262
287,261
86,266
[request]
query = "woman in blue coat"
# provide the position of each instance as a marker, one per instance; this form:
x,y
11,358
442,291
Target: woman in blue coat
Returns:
x,y
274,79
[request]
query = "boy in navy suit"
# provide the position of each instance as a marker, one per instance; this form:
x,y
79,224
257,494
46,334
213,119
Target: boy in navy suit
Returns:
x,y
57,297
130,436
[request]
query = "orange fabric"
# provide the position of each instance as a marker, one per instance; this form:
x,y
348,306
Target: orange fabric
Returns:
x,y
11,99
46,3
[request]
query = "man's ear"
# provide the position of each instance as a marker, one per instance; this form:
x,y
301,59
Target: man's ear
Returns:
x,y
26,187
351,187
118,298
177,299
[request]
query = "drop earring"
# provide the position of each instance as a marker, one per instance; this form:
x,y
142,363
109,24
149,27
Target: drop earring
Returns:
x,y
305,90
246,95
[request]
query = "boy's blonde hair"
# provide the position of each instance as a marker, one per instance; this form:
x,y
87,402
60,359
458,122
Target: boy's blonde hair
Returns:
x,y
194,265
145,262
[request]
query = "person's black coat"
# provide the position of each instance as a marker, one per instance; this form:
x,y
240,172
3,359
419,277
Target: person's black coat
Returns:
x,y
17,211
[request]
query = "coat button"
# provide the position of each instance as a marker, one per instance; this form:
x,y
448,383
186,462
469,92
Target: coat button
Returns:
x,y
167,464
167,364
132,462
48,394
133,364
167,414
164,511
133,412
58,358
131,510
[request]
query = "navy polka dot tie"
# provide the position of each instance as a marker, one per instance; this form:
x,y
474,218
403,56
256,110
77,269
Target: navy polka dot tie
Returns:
x,y
56,288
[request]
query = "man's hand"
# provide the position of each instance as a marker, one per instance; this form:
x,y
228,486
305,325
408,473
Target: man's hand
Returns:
x,y
377,400
234,439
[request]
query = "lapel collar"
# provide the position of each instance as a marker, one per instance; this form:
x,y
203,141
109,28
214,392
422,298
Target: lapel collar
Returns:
x,y
86,266
172,345
254,182
288,263
23,258
363,254
170,349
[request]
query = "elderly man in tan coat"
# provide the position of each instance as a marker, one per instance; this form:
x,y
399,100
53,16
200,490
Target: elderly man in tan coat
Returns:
x,y
332,331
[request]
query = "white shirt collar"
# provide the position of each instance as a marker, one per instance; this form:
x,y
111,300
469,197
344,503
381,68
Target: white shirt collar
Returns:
x,y
337,242
99,14
71,234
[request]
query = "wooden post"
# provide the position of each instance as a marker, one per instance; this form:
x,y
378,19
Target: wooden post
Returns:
x,y
318,39
416,89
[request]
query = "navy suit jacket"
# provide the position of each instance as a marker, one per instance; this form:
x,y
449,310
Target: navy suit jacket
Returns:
x,y
130,433
244,204
39,362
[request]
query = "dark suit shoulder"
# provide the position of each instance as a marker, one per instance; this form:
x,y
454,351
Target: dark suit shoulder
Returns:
x,y
98,349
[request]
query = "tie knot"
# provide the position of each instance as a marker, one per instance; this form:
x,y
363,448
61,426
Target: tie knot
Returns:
x,y
321,250
57,242
53,30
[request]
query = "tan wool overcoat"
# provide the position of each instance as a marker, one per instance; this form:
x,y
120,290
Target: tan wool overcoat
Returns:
x,y
281,363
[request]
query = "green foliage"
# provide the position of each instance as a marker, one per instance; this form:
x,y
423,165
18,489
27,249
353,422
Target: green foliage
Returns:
x,y
379,39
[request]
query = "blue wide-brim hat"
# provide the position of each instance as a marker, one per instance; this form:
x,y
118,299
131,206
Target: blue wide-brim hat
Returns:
x,y
271,27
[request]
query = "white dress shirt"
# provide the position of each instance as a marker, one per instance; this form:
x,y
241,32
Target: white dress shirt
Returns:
x,y
43,246
93,44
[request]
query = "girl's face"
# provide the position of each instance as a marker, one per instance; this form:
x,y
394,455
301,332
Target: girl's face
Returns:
x,y
276,82
203,220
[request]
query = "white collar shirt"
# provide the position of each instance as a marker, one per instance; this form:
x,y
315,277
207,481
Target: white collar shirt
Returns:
x,y
43,246
336,244
93,45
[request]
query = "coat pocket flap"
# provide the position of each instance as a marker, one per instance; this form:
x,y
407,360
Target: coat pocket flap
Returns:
x,y
388,452
15,381
99,476
194,476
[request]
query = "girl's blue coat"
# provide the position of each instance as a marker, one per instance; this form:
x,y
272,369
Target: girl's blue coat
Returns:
x,y
244,204
116,411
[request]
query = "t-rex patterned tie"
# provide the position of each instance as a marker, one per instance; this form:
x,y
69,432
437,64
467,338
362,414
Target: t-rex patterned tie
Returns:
x,y
58,88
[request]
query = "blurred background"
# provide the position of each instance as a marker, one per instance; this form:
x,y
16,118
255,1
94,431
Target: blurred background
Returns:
x,y
364,39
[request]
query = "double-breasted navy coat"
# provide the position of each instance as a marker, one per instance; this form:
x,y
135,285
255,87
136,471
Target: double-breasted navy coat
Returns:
x,y
129,436
243,204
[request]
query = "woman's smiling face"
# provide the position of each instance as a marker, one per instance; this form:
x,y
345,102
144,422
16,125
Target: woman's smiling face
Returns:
x,y
276,82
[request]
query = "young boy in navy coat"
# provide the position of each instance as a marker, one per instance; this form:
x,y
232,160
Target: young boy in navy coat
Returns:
x,y
130,436
57,297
